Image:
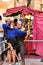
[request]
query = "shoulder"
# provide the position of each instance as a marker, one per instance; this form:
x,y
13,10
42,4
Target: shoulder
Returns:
x,y
4,25
16,29
22,29
3,22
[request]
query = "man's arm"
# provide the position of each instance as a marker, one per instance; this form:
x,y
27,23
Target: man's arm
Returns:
x,y
7,26
2,30
20,32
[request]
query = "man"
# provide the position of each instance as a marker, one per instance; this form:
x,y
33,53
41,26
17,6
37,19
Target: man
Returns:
x,y
21,41
11,34
8,21
1,37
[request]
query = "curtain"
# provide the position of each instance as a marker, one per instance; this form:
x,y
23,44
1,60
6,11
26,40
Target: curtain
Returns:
x,y
38,33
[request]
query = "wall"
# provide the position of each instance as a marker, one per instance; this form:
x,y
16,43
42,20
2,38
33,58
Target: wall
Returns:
x,y
21,2
35,4
5,5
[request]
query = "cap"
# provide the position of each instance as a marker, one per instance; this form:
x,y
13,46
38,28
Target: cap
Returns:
x,y
22,20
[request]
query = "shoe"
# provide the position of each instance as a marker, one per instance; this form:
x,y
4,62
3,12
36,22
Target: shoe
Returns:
x,y
10,64
17,63
41,60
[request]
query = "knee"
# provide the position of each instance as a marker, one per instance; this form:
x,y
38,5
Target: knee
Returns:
x,y
14,52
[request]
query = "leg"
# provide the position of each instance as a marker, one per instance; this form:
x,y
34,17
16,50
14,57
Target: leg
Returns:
x,y
23,60
22,52
2,56
1,48
9,56
14,55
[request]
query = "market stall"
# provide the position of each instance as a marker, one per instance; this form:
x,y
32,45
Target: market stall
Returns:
x,y
36,33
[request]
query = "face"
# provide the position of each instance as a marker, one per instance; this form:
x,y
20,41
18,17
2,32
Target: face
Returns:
x,y
19,24
8,21
12,24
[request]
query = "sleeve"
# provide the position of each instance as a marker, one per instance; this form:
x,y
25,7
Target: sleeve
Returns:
x,y
20,32
5,26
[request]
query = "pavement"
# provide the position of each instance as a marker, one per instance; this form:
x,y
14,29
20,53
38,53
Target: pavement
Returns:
x,y
32,61
29,61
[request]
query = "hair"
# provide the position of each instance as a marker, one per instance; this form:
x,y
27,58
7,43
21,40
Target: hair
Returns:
x,y
19,22
0,18
15,21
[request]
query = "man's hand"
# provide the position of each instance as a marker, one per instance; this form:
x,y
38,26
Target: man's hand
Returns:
x,y
28,33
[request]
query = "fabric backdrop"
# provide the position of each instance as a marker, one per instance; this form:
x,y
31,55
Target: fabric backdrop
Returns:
x,y
38,33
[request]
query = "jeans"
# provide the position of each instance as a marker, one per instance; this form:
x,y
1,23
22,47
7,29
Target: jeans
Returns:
x,y
1,48
21,51
1,44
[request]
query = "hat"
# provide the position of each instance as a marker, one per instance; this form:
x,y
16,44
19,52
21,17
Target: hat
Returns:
x,y
21,19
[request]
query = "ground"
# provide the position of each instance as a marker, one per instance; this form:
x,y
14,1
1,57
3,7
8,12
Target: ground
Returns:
x,y
30,61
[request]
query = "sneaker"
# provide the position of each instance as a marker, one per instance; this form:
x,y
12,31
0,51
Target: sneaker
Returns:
x,y
17,63
10,64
